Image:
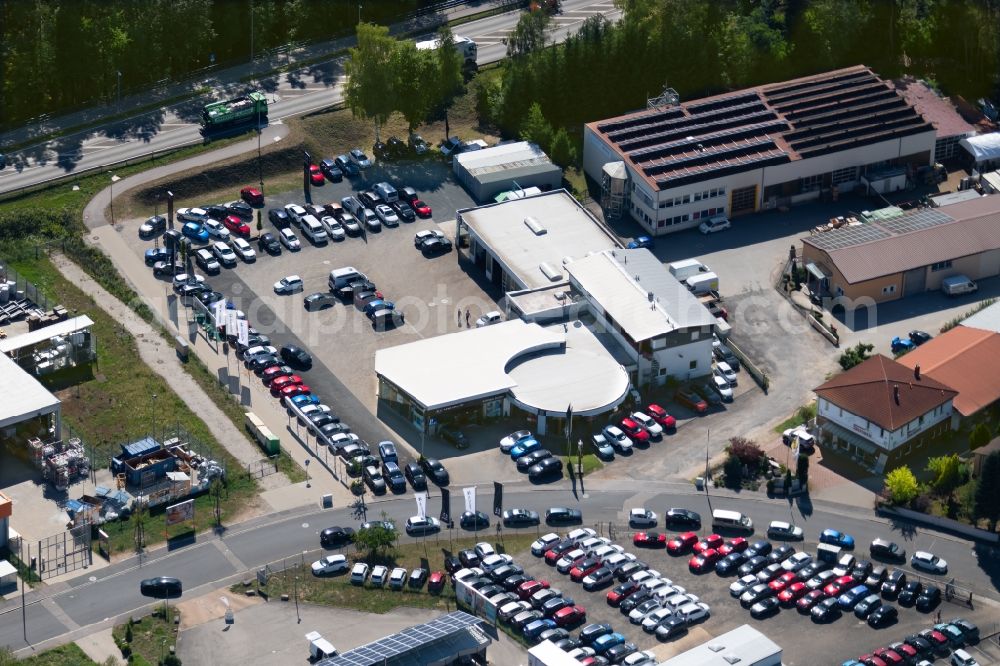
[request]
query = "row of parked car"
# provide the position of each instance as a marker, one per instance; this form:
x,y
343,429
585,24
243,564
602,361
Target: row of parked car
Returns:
x,y
638,428
921,648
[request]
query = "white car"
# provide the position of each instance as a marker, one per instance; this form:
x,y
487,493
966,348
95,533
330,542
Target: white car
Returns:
x,y
617,438
779,529
723,388
331,564
289,240
333,228
713,225
693,612
724,370
289,285
484,550
371,219
192,214
656,618
962,658
188,278
387,215
243,249
314,409
359,573
928,562
421,236
797,561
492,317
397,578
216,230
645,658
540,545
341,439
379,575
296,212
648,424
417,526
224,254
641,518
494,562
737,588
581,533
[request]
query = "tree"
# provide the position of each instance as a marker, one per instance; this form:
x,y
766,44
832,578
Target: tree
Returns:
x,y
528,35
901,485
746,450
802,469
140,517
375,538
562,150
946,471
986,502
536,128
215,490
855,355
368,93
980,436
415,86
449,79
733,470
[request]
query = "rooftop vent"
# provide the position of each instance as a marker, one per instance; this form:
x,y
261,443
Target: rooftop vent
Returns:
x,y
551,273
535,226
731,658
716,647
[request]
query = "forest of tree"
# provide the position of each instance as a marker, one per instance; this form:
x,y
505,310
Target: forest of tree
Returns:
x,y
59,54
702,47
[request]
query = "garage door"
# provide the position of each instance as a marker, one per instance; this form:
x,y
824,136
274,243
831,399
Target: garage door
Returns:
x,y
744,200
915,281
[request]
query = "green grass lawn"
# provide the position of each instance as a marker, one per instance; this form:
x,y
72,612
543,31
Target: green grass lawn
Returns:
x,y
64,655
803,414
152,636
337,591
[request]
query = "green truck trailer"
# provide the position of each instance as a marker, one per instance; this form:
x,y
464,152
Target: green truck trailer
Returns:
x,y
245,109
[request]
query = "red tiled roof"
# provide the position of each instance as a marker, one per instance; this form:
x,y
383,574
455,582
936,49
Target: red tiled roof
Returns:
x,y
938,110
868,390
968,360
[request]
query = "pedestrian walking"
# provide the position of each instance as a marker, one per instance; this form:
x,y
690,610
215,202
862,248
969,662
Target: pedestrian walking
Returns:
x,y
467,318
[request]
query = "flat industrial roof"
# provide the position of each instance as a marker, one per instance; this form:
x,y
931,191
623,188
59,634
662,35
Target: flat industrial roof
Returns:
x,y
621,282
938,110
987,319
518,154
21,395
65,327
564,230
742,645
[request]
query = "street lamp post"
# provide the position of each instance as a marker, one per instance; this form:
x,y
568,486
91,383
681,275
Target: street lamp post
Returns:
x,y
359,13
119,106
154,416
113,179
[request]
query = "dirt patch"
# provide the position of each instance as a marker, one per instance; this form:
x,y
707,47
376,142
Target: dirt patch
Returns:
x,y
211,606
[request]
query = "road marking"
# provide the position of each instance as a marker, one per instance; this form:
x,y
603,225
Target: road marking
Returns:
x,y
54,608
230,556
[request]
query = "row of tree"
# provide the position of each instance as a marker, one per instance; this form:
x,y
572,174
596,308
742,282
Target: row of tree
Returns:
x,y
702,47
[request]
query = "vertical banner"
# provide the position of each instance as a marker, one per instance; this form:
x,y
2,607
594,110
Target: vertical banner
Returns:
x,y
230,321
569,421
421,504
470,499
242,331
497,498
445,506
219,313
795,449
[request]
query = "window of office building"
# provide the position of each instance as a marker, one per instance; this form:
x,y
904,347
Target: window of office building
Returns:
x,y
845,175
940,266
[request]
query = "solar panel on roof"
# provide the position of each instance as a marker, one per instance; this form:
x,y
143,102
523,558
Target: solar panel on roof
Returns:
x,y
665,143
918,126
717,170
839,239
687,121
402,644
709,156
723,103
779,91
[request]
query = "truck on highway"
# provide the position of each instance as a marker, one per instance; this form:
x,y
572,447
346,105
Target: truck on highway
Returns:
x,y
464,45
251,107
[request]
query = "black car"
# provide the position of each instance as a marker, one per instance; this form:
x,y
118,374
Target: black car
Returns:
x,y
520,518
172,238
163,587
919,337
568,644
279,218
861,570
512,583
318,301
525,462
474,521
435,470
781,553
894,583
875,578
154,226
920,644
394,477
268,243
454,436
346,166
929,599
593,631
380,150
404,211
675,626
154,255
753,565
396,147
369,199
452,564
682,519
240,209
560,515
811,569
911,590
415,476
724,353
260,362
617,654
730,563
331,171
435,245
882,616
545,468
634,599
295,357
759,547
889,551
336,536
826,610
765,607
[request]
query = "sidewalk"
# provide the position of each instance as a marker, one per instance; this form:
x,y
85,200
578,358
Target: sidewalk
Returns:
x,y
231,80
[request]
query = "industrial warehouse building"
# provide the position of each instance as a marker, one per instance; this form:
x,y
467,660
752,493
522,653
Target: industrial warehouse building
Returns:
x,y
760,148
28,409
903,253
744,646
510,166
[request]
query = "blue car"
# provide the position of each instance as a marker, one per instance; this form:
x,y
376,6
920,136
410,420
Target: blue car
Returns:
x,y
835,538
606,642
538,626
378,304
306,399
852,662
524,447
195,231
900,345
850,599
155,254
641,241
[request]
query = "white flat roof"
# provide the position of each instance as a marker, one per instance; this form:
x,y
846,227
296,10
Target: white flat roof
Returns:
x,y
21,395
547,653
65,327
744,642
567,230
518,153
987,319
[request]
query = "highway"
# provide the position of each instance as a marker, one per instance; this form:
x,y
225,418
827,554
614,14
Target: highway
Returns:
x,y
290,94
208,563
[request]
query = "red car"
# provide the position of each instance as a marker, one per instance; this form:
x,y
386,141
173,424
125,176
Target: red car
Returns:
x,y
237,226
712,541
889,656
618,594
792,593
583,569
529,587
553,554
660,416
435,582
272,373
252,196
316,176
682,543
704,560
871,660
783,581
570,616
294,390
422,209
635,431
806,603
737,545
649,539
906,651
935,638
691,400
282,382
839,585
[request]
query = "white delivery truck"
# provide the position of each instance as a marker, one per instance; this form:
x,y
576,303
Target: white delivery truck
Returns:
x,y
463,45
686,268
702,283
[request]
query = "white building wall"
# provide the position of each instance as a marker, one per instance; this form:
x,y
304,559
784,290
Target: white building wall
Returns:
x,y
596,153
677,360
884,439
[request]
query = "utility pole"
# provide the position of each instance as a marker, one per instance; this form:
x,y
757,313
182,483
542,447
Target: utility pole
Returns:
x,y
359,13
119,107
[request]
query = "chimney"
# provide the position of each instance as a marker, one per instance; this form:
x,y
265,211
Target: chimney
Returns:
x,y
916,372
895,393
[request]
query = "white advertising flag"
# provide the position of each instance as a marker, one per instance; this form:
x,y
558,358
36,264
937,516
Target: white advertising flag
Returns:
x,y
242,331
795,449
470,499
219,312
421,504
230,321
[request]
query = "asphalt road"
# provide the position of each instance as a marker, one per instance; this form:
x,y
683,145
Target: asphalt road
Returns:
x,y
291,94
211,560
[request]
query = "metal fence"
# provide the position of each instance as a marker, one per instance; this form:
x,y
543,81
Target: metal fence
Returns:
x,y
262,468
31,292
56,554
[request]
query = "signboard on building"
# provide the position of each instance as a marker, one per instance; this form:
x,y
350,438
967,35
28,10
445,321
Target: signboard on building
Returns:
x,y
178,513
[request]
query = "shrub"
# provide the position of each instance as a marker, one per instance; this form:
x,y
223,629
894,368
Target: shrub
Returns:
x,y
980,436
746,451
901,485
733,470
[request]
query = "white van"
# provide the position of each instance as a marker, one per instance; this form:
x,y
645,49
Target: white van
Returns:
x,y
702,283
387,192
956,285
339,277
731,520
313,230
